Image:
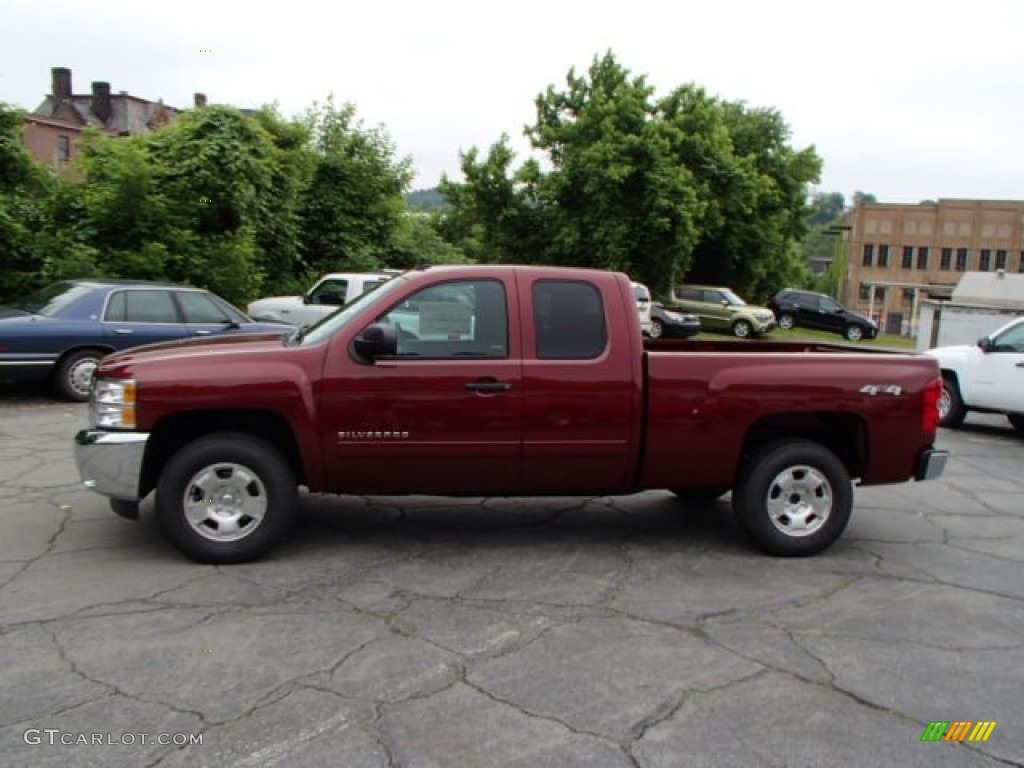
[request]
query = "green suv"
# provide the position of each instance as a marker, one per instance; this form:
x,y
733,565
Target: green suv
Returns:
x,y
719,309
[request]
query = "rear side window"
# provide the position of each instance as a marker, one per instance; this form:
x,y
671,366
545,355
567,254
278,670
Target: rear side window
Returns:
x,y
569,319
141,307
689,294
200,308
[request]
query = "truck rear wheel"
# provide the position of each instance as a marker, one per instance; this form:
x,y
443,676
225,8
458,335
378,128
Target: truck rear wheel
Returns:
x,y
226,498
794,498
1017,420
951,406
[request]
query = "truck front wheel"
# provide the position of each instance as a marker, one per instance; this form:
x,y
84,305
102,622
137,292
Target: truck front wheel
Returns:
x,y
794,498
226,498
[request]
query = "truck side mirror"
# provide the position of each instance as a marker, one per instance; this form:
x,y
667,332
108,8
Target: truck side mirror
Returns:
x,y
377,340
985,344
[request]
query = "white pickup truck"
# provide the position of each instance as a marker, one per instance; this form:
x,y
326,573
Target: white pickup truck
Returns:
x,y
987,377
329,293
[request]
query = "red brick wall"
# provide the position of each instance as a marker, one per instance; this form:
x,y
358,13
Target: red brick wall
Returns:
x,y
41,141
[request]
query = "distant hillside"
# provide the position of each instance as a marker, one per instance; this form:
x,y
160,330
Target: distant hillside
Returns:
x,y
426,200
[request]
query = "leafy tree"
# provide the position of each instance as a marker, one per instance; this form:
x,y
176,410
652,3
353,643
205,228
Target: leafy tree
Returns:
x,y
354,200
428,200
24,190
826,207
685,186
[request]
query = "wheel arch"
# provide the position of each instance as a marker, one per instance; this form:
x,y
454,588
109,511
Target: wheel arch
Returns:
x,y
103,349
178,429
845,434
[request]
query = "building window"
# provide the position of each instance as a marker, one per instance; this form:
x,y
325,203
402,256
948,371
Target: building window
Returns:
x,y
63,149
1020,264
883,255
985,260
962,262
1000,259
908,257
947,259
864,292
908,294
869,254
922,257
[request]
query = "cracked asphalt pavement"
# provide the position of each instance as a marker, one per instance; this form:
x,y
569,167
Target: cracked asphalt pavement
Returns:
x,y
627,631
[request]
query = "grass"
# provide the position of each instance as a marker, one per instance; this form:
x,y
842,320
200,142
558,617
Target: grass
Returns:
x,y
807,334
883,341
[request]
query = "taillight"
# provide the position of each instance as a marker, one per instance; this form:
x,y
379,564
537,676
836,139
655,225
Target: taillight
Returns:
x,y
930,412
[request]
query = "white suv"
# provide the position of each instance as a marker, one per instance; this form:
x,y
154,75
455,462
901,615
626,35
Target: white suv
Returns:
x,y
643,306
322,299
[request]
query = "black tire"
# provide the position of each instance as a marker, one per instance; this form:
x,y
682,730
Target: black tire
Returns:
x,y
782,479
253,495
656,329
702,495
742,329
786,321
951,406
853,332
75,372
1017,420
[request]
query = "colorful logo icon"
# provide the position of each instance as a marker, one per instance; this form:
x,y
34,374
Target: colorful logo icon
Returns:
x,y
958,730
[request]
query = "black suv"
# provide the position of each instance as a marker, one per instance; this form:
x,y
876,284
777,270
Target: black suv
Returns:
x,y
816,310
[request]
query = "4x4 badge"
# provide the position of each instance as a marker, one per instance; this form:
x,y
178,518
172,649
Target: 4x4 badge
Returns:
x,y
883,389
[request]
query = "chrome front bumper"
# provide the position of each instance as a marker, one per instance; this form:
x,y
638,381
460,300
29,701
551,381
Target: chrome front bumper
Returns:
x,y
931,464
110,463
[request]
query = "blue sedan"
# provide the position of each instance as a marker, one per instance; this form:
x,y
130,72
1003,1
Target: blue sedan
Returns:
x,y
60,333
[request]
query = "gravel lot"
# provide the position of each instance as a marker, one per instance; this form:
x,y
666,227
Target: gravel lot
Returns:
x,y
627,631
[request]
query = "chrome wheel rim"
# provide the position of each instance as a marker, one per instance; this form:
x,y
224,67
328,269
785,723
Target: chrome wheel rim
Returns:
x,y
81,374
799,501
854,333
225,502
785,322
945,403
655,330
741,329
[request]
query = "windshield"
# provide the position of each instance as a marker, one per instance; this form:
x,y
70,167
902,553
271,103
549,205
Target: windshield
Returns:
x,y
52,299
733,299
329,325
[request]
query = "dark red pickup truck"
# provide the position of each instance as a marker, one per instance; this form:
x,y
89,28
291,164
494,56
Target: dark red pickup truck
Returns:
x,y
505,381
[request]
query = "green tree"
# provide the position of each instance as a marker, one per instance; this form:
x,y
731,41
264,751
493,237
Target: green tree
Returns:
x,y
354,200
25,187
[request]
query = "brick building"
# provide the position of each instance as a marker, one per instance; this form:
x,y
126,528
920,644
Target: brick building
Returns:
x,y
52,129
898,255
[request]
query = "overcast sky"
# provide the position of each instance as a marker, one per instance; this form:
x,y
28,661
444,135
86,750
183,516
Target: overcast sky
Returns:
x,y
904,99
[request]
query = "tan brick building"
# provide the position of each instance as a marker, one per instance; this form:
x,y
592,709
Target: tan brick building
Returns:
x,y
898,255
52,129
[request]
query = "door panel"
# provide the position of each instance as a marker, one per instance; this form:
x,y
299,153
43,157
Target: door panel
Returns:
x,y
582,397
444,416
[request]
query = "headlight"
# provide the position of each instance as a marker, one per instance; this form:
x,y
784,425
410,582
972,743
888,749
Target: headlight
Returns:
x,y
113,403
675,317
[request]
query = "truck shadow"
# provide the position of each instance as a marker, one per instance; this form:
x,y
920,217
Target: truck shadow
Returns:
x,y
421,520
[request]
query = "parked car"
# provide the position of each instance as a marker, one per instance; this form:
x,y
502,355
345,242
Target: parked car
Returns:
x,y
550,390
987,377
808,309
329,293
643,307
719,309
60,332
669,323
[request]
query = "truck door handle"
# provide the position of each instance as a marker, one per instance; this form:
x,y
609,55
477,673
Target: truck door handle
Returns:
x,y
122,330
1020,365
488,385
202,333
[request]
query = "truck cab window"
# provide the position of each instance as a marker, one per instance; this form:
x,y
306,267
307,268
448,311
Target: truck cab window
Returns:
x,y
466,318
569,320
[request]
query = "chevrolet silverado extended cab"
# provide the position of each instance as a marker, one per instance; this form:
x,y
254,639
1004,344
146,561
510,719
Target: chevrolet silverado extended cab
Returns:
x,y
506,381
